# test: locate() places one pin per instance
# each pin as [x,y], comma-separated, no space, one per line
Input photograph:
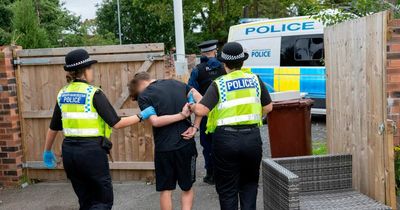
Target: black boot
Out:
[209,178]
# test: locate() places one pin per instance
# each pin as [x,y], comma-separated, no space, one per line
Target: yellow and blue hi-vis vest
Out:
[79,117]
[239,101]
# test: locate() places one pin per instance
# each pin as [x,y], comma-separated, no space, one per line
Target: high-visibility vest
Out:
[79,117]
[239,101]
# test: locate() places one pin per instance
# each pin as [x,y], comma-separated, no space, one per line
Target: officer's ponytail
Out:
[73,75]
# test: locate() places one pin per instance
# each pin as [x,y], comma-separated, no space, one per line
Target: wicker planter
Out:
[312,182]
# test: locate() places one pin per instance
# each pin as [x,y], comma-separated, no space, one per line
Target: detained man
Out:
[175,148]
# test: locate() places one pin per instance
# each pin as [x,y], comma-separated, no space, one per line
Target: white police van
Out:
[287,54]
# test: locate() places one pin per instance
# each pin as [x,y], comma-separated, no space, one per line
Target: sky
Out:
[85,8]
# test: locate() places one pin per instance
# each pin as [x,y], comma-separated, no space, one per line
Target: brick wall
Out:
[10,133]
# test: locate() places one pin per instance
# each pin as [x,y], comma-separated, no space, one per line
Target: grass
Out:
[319,148]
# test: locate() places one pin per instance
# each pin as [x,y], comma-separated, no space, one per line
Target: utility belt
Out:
[238,128]
[104,142]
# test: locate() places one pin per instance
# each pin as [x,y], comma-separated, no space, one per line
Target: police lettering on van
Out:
[261,53]
[280,28]
[286,53]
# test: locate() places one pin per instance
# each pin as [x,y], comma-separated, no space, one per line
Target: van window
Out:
[307,49]
[302,50]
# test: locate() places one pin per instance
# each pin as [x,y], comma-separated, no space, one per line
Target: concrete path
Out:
[128,195]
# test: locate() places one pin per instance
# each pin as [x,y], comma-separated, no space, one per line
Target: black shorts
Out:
[176,166]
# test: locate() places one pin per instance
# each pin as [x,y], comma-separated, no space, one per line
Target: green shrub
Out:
[397,168]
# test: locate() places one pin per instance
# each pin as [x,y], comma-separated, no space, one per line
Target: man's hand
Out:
[186,111]
[189,133]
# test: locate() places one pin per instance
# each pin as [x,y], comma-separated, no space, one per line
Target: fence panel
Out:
[40,76]
[356,101]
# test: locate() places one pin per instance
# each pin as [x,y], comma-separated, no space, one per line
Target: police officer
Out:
[237,102]
[85,116]
[201,78]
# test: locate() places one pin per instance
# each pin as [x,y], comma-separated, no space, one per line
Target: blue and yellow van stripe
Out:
[304,79]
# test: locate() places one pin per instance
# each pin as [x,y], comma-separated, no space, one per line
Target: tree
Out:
[87,35]
[153,21]
[26,24]
[6,15]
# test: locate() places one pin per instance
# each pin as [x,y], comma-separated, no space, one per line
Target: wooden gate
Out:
[40,76]
[356,103]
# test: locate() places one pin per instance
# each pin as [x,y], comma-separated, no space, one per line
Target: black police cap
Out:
[232,52]
[208,45]
[77,59]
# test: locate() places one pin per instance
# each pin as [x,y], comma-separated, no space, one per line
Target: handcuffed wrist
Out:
[184,116]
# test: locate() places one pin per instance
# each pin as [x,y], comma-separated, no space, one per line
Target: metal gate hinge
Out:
[381,129]
[16,61]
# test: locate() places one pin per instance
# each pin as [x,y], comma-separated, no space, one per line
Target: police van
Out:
[287,54]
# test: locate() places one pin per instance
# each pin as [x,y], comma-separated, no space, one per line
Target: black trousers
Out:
[86,165]
[237,156]
[206,143]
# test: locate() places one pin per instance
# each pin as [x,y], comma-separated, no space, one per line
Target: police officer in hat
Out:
[86,117]
[235,104]
[201,77]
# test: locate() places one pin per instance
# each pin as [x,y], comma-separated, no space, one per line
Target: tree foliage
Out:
[26,24]
[46,23]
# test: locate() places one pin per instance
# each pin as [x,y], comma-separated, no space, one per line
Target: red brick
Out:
[14,154]
[394,63]
[10,132]
[395,78]
[393,87]
[394,47]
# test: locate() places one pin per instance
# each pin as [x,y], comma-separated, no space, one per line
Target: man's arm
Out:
[267,109]
[50,137]
[266,101]
[200,110]
[127,121]
[207,102]
[160,121]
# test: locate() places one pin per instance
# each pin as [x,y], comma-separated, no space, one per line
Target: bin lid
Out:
[293,103]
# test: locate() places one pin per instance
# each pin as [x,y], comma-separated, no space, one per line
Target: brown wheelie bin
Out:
[289,126]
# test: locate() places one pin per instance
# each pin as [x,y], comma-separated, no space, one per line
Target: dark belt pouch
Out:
[106,144]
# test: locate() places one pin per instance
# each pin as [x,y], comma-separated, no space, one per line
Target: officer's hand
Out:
[49,159]
[189,133]
[186,110]
[191,98]
[148,112]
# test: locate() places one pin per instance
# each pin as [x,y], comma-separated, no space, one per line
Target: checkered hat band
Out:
[79,63]
[232,57]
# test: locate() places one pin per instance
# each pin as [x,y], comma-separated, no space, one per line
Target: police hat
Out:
[232,52]
[208,45]
[77,59]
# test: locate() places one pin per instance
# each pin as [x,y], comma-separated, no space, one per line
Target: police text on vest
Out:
[239,84]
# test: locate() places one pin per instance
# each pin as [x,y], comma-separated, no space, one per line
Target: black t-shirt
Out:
[211,97]
[100,103]
[168,97]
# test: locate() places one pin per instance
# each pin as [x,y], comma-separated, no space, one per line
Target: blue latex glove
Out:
[191,98]
[49,159]
[148,112]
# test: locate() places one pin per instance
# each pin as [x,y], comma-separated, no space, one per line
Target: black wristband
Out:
[140,117]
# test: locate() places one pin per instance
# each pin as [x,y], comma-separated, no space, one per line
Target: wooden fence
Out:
[40,76]
[356,103]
